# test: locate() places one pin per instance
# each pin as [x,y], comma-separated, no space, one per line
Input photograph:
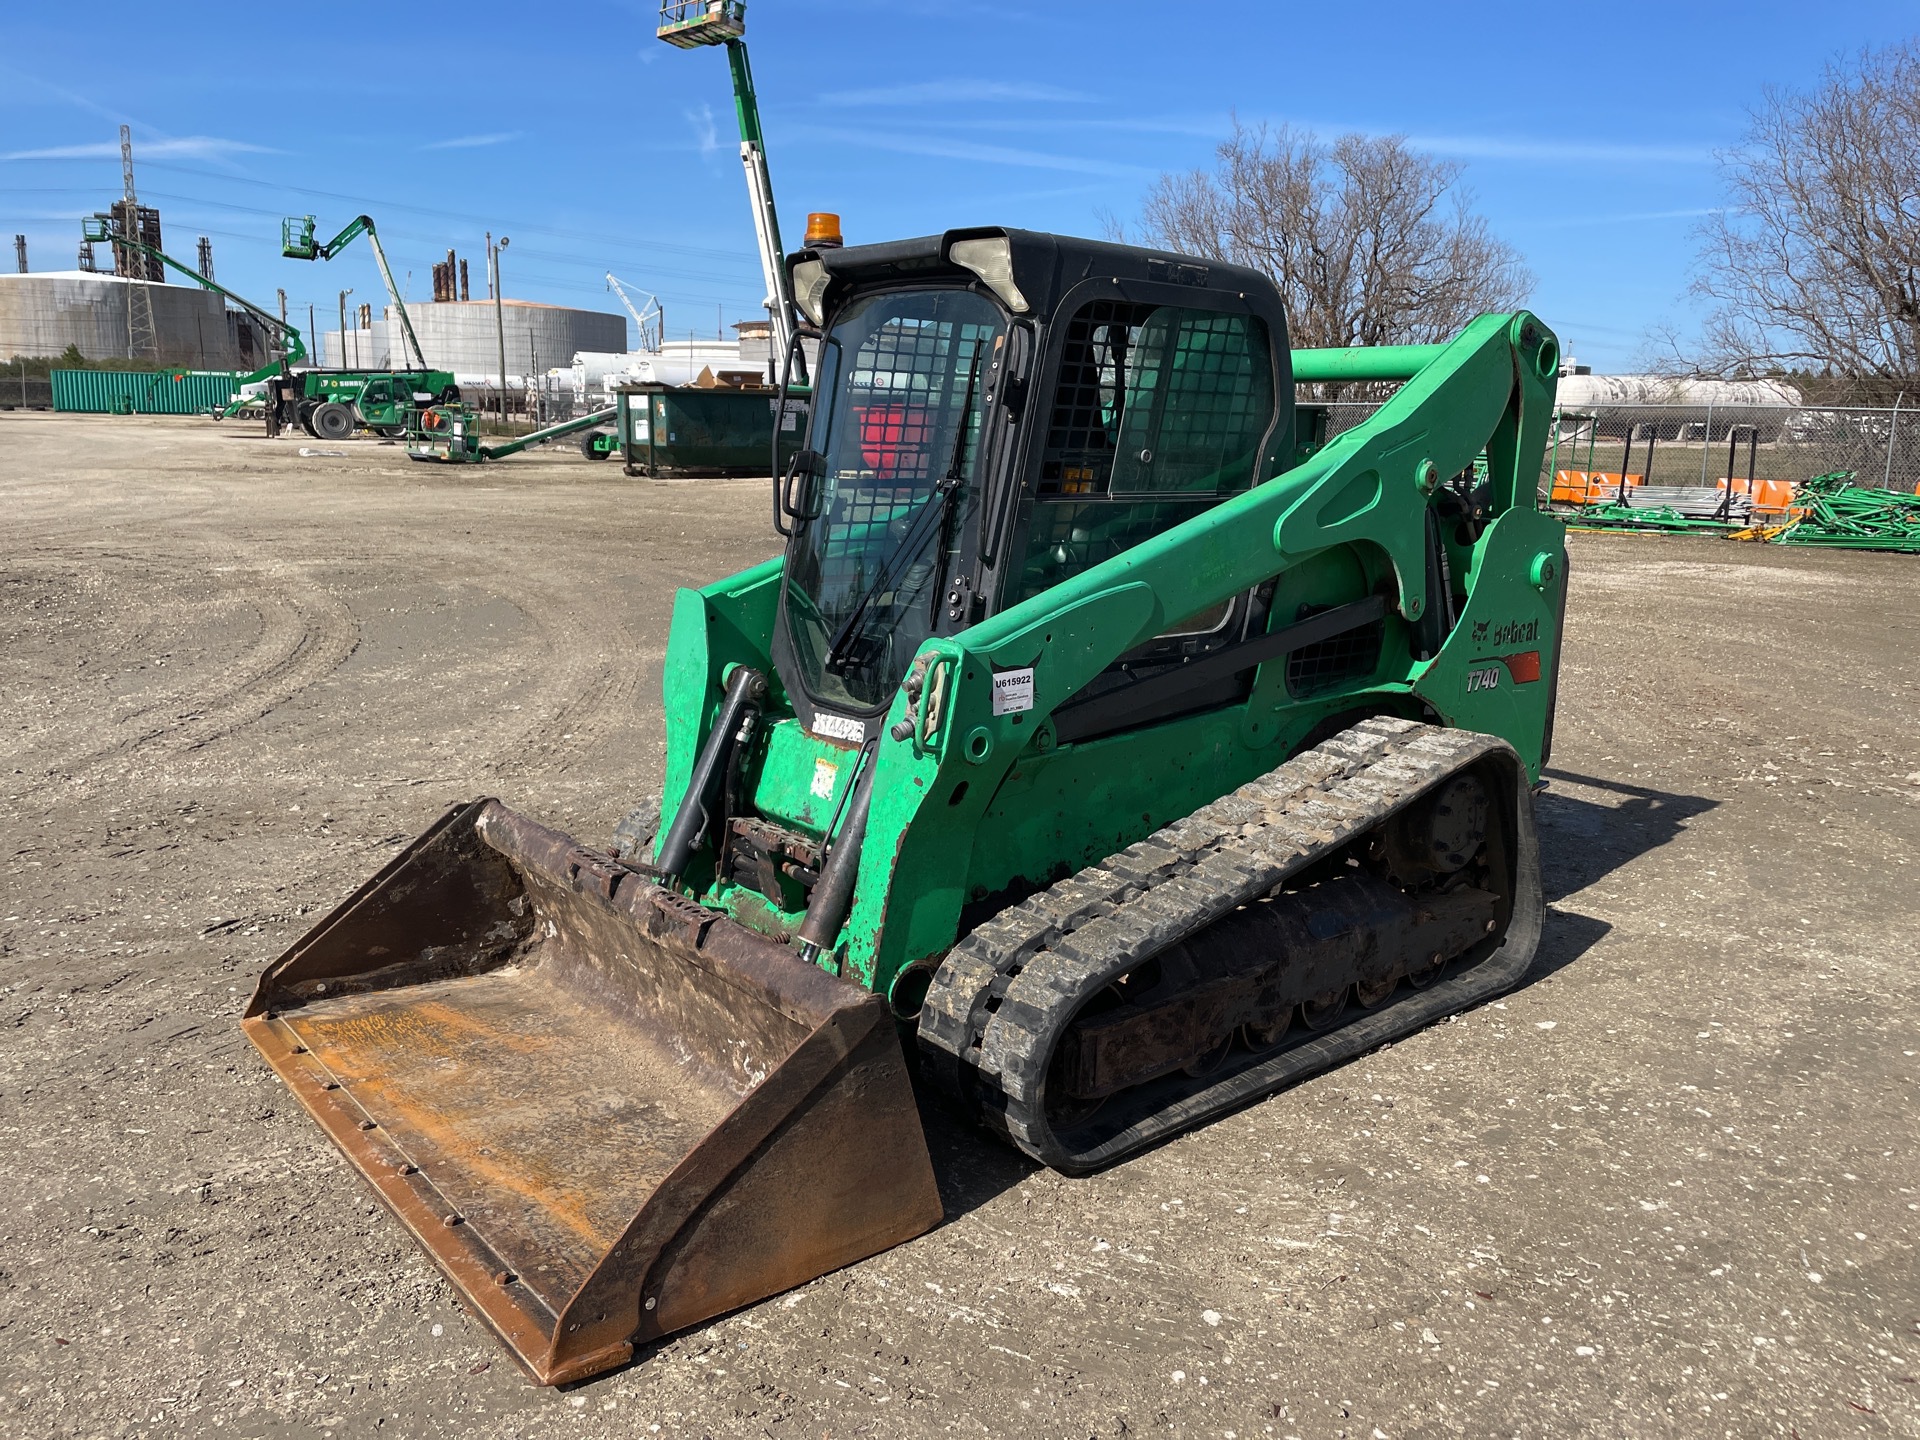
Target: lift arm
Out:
[766,221]
[100,227]
[297,243]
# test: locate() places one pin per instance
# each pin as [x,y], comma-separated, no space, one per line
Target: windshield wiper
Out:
[938,505]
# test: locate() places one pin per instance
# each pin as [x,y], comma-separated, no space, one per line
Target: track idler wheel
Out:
[1372,994]
[1428,971]
[1210,1062]
[1323,1012]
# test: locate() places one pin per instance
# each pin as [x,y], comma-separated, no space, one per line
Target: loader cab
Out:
[996,411]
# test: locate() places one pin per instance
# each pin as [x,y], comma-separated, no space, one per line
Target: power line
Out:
[363,203]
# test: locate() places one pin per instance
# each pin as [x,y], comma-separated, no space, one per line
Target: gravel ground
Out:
[1666,1186]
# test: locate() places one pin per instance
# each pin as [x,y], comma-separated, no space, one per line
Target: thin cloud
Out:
[944,92]
[1205,129]
[474,142]
[987,154]
[705,132]
[1521,148]
[1021,197]
[192,147]
[71,97]
[1495,147]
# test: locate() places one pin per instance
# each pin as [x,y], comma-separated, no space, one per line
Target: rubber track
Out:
[1005,992]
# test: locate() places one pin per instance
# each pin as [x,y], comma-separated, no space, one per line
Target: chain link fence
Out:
[1700,446]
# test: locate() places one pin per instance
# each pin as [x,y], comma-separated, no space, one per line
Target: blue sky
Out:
[1588,132]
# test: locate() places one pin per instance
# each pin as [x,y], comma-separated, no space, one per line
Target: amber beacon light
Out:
[823,229]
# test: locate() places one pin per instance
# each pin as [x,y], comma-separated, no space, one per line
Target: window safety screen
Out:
[1159,413]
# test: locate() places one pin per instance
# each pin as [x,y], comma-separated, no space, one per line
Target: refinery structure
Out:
[120,305]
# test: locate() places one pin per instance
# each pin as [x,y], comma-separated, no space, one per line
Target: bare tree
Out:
[1813,265]
[1370,241]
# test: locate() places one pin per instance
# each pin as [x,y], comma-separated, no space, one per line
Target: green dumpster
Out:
[694,430]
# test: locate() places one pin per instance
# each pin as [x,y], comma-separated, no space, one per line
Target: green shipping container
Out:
[686,430]
[142,392]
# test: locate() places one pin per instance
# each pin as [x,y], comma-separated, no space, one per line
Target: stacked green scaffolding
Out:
[1662,519]
[1854,517]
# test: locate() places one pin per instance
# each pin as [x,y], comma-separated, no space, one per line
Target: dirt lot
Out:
[1667,1186]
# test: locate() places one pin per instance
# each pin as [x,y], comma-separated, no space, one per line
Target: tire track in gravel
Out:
[597,672]
[307,633]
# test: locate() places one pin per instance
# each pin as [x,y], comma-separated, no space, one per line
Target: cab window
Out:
[1159,413]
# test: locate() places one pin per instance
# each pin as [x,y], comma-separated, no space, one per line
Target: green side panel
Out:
[803,778]
[1055,811]
[317,385]
[727,623]
[142,392]
[1495,672]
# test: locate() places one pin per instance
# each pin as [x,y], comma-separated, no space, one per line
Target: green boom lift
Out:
[1106,746]
[297,243]
[382,400]
[98,228]
[693,24]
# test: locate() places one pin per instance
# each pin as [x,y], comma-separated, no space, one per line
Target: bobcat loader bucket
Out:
[606,1112]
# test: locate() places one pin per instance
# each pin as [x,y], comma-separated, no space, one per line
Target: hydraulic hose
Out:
[832,894]
[694,822]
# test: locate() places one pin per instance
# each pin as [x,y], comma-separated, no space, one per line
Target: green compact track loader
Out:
[1111,746]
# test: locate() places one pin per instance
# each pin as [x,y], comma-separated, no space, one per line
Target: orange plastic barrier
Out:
[1589,487]
[1770,497]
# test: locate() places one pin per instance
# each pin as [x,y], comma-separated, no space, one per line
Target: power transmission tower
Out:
[141,339]
[20,252]
[206,258]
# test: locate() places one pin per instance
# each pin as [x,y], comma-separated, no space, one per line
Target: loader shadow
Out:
[971,1167]
[1582,841]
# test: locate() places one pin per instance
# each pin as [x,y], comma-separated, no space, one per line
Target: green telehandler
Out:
[1107,750]
[328,404]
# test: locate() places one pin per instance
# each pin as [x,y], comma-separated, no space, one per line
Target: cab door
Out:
[1156,411]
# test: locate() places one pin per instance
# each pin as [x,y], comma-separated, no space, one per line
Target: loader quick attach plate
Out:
[606,1112]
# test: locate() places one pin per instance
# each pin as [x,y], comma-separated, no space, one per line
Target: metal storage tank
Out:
[459,335]
[1612,405]
[1586,391]
[45,312]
